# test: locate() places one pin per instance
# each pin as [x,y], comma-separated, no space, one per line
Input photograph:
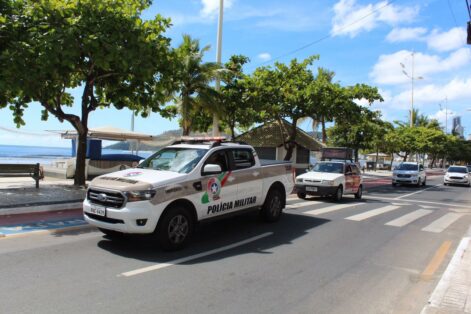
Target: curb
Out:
[39,209]
[48,231]
[452,293]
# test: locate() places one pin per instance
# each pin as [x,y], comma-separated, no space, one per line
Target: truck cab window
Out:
[243,158]
[218,158]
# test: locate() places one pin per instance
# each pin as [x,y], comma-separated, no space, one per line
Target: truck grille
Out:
[106,198]
[403,175]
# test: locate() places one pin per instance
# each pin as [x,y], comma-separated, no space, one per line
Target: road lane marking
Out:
[373,212]
[443,222]
[436,261]
[302,204]
[330,209]
[193,257]
[408,218]
[420,191]
[415,201]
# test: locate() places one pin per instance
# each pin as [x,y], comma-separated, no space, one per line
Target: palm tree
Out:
[195,76]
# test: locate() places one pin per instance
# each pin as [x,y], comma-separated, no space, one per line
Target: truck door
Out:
[356,178]
[248,176]
[349,179]
[219,190]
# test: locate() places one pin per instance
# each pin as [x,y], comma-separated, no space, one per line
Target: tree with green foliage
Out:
[240,111]
[359,132]
[102,47]
[194,77]
[282,93]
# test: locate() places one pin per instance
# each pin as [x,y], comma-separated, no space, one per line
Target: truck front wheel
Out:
[273,206]
[175,229]
[338,194]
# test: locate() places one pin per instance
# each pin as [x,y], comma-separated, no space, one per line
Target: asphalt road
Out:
[383,254]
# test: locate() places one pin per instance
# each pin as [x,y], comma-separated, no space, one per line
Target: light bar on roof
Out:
[203,138]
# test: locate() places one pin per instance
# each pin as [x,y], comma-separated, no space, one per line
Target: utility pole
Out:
[412,78]
[218,60]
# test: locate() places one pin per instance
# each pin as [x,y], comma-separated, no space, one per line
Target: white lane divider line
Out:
[408,218]
[420,191]
[302,204]
[330,209]
[293,198]
[443,222]
[372,213]
[193,257]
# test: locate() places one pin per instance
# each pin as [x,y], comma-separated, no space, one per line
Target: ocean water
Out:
[45,155]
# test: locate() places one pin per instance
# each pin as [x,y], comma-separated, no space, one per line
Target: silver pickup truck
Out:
[182,184]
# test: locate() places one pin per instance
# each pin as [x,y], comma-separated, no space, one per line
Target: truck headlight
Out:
[135,196]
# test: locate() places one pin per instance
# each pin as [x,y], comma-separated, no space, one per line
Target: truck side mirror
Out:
[212,169]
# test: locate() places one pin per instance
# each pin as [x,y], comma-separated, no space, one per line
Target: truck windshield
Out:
[333,167]
[409,167]
[176,159]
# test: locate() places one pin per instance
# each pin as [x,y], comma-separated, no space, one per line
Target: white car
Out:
[182,184]
[457,175]
[331,178]
[409,173]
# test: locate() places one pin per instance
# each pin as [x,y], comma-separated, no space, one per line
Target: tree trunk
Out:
[185,112]
[232,133]
[324,134]
[377,156]
[80,176]
[291,141]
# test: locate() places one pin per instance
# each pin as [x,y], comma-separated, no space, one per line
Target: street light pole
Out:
[412,78]
[218,60]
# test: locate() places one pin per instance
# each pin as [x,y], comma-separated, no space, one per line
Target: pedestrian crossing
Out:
[370,210]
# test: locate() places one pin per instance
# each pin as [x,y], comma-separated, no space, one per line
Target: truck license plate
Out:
[98,210]
[311,188]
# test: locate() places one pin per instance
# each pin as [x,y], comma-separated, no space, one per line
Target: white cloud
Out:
[211,7]
[429,97]
[264,56]
[447,41]
[406,34]
[351,18]
[388,70]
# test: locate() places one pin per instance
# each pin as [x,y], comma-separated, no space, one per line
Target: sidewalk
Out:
[57,204]
[453,292]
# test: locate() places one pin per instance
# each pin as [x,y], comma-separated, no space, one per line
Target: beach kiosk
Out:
[98,163]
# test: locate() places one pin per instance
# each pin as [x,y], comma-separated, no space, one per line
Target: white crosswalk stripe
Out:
[330,209]
[443,222]
[436,226]
[302,204]
[408,218]
[373,212]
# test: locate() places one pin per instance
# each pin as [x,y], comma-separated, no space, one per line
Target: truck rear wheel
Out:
[301,195]
[273,205]
[175,229]
[359,193]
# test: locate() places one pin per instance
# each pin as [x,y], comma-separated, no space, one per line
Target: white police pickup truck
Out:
[190,181]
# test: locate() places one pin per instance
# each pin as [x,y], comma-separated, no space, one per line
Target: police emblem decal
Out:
[214,188]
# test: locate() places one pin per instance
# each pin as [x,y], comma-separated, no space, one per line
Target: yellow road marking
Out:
[436,261]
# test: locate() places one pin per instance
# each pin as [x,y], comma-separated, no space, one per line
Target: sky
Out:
[361,41]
